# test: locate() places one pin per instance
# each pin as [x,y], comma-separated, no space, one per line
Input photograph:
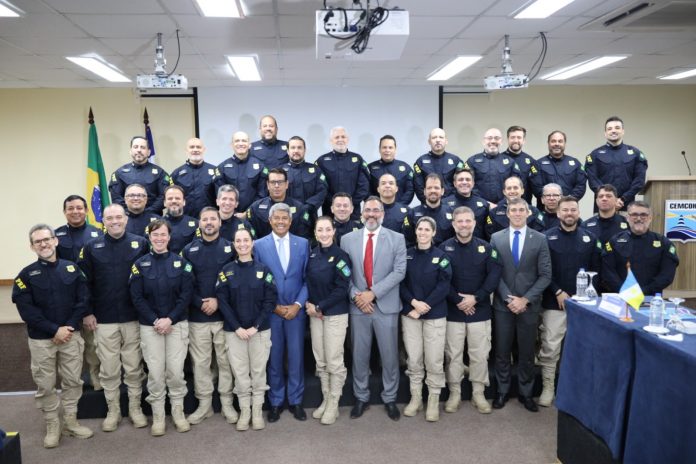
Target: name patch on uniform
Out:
[552,237]
[61,233]
[621,240]
[134,244]
[97,245]
[449,248]
[125,170]
[195,248]
[426,161]
[145,264]
[34,273]
[546,162]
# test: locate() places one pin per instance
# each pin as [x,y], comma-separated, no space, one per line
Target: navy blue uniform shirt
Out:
[328,277]
[247,295]
[428,279]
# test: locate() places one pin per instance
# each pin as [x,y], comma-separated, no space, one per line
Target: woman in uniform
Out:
[328,276]
[423,318]
[161,287]
[247,296]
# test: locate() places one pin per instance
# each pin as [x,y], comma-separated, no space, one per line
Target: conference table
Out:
[629,387]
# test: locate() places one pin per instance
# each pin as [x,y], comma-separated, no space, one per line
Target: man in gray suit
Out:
[379,265]
[526,261]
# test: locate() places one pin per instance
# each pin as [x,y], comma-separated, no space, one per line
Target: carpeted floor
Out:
[506,436]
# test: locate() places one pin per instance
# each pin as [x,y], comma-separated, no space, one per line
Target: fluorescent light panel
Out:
[453,68]
[679,75]
[245,67]
[582,68]
[542,9]
[221,8]
[8,10]
[99,67]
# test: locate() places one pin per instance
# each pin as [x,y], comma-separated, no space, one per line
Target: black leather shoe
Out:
[392,411]
[298,412]
[358,410]
[529,403]
[274,413]
[499,401]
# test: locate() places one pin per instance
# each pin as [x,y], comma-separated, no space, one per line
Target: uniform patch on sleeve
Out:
[489,220]
[415,167]
[222,277]
[188,267]
[342,266]
[599,245]
[608,247]
[589,159]
[134,270]
[20,284]
[269,278]
[322,177]
[444,263]
[532,169]
[673,250]
[494,253]
[82,253]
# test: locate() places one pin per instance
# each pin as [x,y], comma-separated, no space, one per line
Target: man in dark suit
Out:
[524,254]
[374,293]
[286,256]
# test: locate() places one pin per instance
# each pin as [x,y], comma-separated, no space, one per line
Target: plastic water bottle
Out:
[581,283]
[657,309]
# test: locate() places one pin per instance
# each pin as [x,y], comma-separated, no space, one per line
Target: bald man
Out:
[195,176]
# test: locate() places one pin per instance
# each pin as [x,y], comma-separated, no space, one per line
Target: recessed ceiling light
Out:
[100,67]
[8,10]
[453,68]
[541,9]
[245,67]
[679,75]
[221,8]
[582,68]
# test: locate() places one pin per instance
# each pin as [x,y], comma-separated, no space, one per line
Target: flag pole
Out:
[627,313]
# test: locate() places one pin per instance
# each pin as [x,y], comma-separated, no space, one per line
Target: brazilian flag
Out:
[97,187]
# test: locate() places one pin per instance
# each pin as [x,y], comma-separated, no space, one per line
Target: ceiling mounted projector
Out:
[506,79]
[361,34]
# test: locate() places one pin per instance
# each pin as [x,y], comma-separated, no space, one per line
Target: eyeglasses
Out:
[492,138]
[135,195]
[277,182]
[42,241]
[639,215]
[551,195]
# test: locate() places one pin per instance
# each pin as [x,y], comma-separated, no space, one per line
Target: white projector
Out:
[506,81]
[387,41]
[153,81]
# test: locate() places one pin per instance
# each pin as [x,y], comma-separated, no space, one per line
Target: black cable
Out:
[178,53]
[329,15]
[374,18]
[540,60]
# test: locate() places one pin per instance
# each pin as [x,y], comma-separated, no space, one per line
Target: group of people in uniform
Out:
[229,264]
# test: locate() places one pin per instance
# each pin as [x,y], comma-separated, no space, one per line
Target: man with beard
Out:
[345,171]
[434,208]
[106,263]
[623,166]
[652,256]
[196,178]
[271,151]
[140,171]
[183,227]
[491,168]
[138,216]
[244,171]
[526,164]
[388,164]
[559,168]
[208,254]
[571,248]
[375,304]
[437,161]
[306,182]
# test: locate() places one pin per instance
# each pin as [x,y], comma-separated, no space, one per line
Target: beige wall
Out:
[44,152]
[660,120]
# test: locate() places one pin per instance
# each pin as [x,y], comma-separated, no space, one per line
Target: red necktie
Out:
[367,263]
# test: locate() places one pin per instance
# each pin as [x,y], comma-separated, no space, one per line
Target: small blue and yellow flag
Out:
[631,292]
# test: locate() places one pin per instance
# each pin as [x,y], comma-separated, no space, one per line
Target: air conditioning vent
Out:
[641,16]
